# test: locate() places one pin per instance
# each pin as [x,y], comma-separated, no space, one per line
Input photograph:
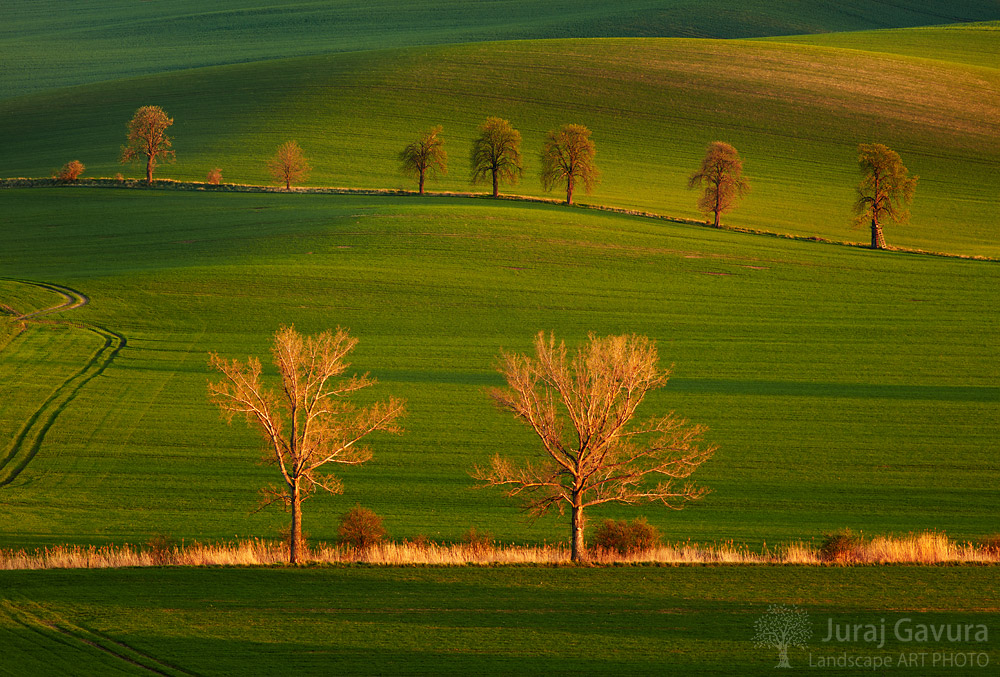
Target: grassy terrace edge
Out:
[171,184]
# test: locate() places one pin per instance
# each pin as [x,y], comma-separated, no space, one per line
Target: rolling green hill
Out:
[44,44]
[845,387]
[973,44]
[796,114]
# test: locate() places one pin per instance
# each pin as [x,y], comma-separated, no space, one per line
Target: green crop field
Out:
[845,387]
[795,113]
[971,44]
[45,46]
[634,620]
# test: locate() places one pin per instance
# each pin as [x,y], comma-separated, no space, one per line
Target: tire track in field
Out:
[55,630]
[29,438]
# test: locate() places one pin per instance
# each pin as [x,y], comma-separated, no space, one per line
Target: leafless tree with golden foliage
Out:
[309,422]
[721,172]
[568,155]
[147,138]
[886,187]
[581,408]
[425,156]
[289,165]
[496,154]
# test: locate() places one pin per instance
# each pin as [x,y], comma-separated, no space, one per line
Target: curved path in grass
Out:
[29,438]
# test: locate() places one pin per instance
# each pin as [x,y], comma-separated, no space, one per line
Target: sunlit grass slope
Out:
[796,114]
[973,44]
[43,44]
[845,387]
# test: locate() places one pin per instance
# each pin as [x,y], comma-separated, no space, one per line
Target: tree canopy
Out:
[496,153]
[425,157]
[289,164]
[721,173]
[568,155]
[885,189]
[147,138]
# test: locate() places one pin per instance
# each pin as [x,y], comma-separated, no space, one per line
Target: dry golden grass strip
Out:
[922,548]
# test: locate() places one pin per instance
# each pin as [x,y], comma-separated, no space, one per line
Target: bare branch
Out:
[611,458]
[324,427]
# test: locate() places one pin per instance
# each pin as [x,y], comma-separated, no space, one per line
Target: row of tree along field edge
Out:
[652,106]
[568,158]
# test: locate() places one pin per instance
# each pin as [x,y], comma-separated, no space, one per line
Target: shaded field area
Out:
[796,114]
[526,620]
[44,46]
[846,388]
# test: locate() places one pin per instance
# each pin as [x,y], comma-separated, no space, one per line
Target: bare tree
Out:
[721,172]
[886,187]
[322,425]
[425,156]
[496,153]
[568,155]
[581,408]
[147,138]
[289,165]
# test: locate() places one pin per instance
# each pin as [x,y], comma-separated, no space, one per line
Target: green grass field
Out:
[845,387]
[971,44]
[45,46]
[631,620]
[796,114]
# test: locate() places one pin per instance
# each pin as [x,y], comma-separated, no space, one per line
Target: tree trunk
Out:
[421,183]
[783,657]
[295,534]
[718,202]
[288,183]
[149,171]
[569,190]
[577,547]
[496,184]
[878,240]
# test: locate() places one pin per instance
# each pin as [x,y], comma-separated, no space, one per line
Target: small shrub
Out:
[840,546]
[991,545]
[70,171]
[161,548]
[119,177]
[421,542]
[361,528]
[479,542]
[626,539]
[214,177]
